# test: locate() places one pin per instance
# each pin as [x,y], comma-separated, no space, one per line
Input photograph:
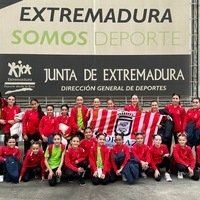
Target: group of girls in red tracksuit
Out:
[47,157]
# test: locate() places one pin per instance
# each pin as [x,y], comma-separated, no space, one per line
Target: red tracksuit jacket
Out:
[157,155]
[192,115]
[8,114]
[87,145]
[48,126]
[7,151]
[30,122]
[116,149]
[105,159]
[142,153]
[72,155]
[33,160]
[67,120]
[184,156]
[178,113]
[130,108]
[198,155]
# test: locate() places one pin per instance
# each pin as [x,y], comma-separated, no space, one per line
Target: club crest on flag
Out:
[124,123]
[128,123]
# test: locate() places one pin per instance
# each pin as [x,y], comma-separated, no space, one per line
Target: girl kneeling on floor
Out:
[99,161]
[75,161]
[119,156]
[141,152]
[33,165]
[160,158]
[54,158]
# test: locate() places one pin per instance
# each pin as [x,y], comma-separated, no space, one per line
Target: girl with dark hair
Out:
[30,124]
[54,158]
[8,116]
[75,161]
[191,123]
[66,124]
[99,161]
[10,154]
[141,152]
[119,150]
[47,126]
[178,114]
[33,164]
[165,128]
[78,115]
[88,141]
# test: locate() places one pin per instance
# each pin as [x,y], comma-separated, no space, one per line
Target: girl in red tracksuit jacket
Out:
[7,151]
[178,114]
[78,115]
[75,161]
[99,161]
[48,125]
[184,158]
[115,151]
[160,158]
[88,142]
[30,124]
[192,116]
[33,165]
[198,157]
[142,153]
[8,114]
[65,119]
[135,105]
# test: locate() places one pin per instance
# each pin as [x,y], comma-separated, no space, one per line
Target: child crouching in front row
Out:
[99,161]
[10,161]
[119,155]
[54,158]
[141,152]
[33,165]
[75,161]
[184,159]
[160,158]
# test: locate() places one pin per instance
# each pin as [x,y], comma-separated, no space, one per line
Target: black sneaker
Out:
[82,182]
[70,180]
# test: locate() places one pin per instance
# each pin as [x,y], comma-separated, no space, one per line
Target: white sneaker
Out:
[1,178]
[58,179]
[124,178]
[143,174]
[168,177]
[180,175]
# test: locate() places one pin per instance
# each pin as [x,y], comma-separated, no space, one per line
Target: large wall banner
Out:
[107,48]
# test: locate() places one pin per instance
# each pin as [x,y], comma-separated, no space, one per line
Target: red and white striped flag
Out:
[112,121]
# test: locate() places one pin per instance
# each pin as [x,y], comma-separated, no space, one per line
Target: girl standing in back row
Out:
[48,125]
[135,105]
[178,114]
[8,114]
[78,115]
[30,124]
